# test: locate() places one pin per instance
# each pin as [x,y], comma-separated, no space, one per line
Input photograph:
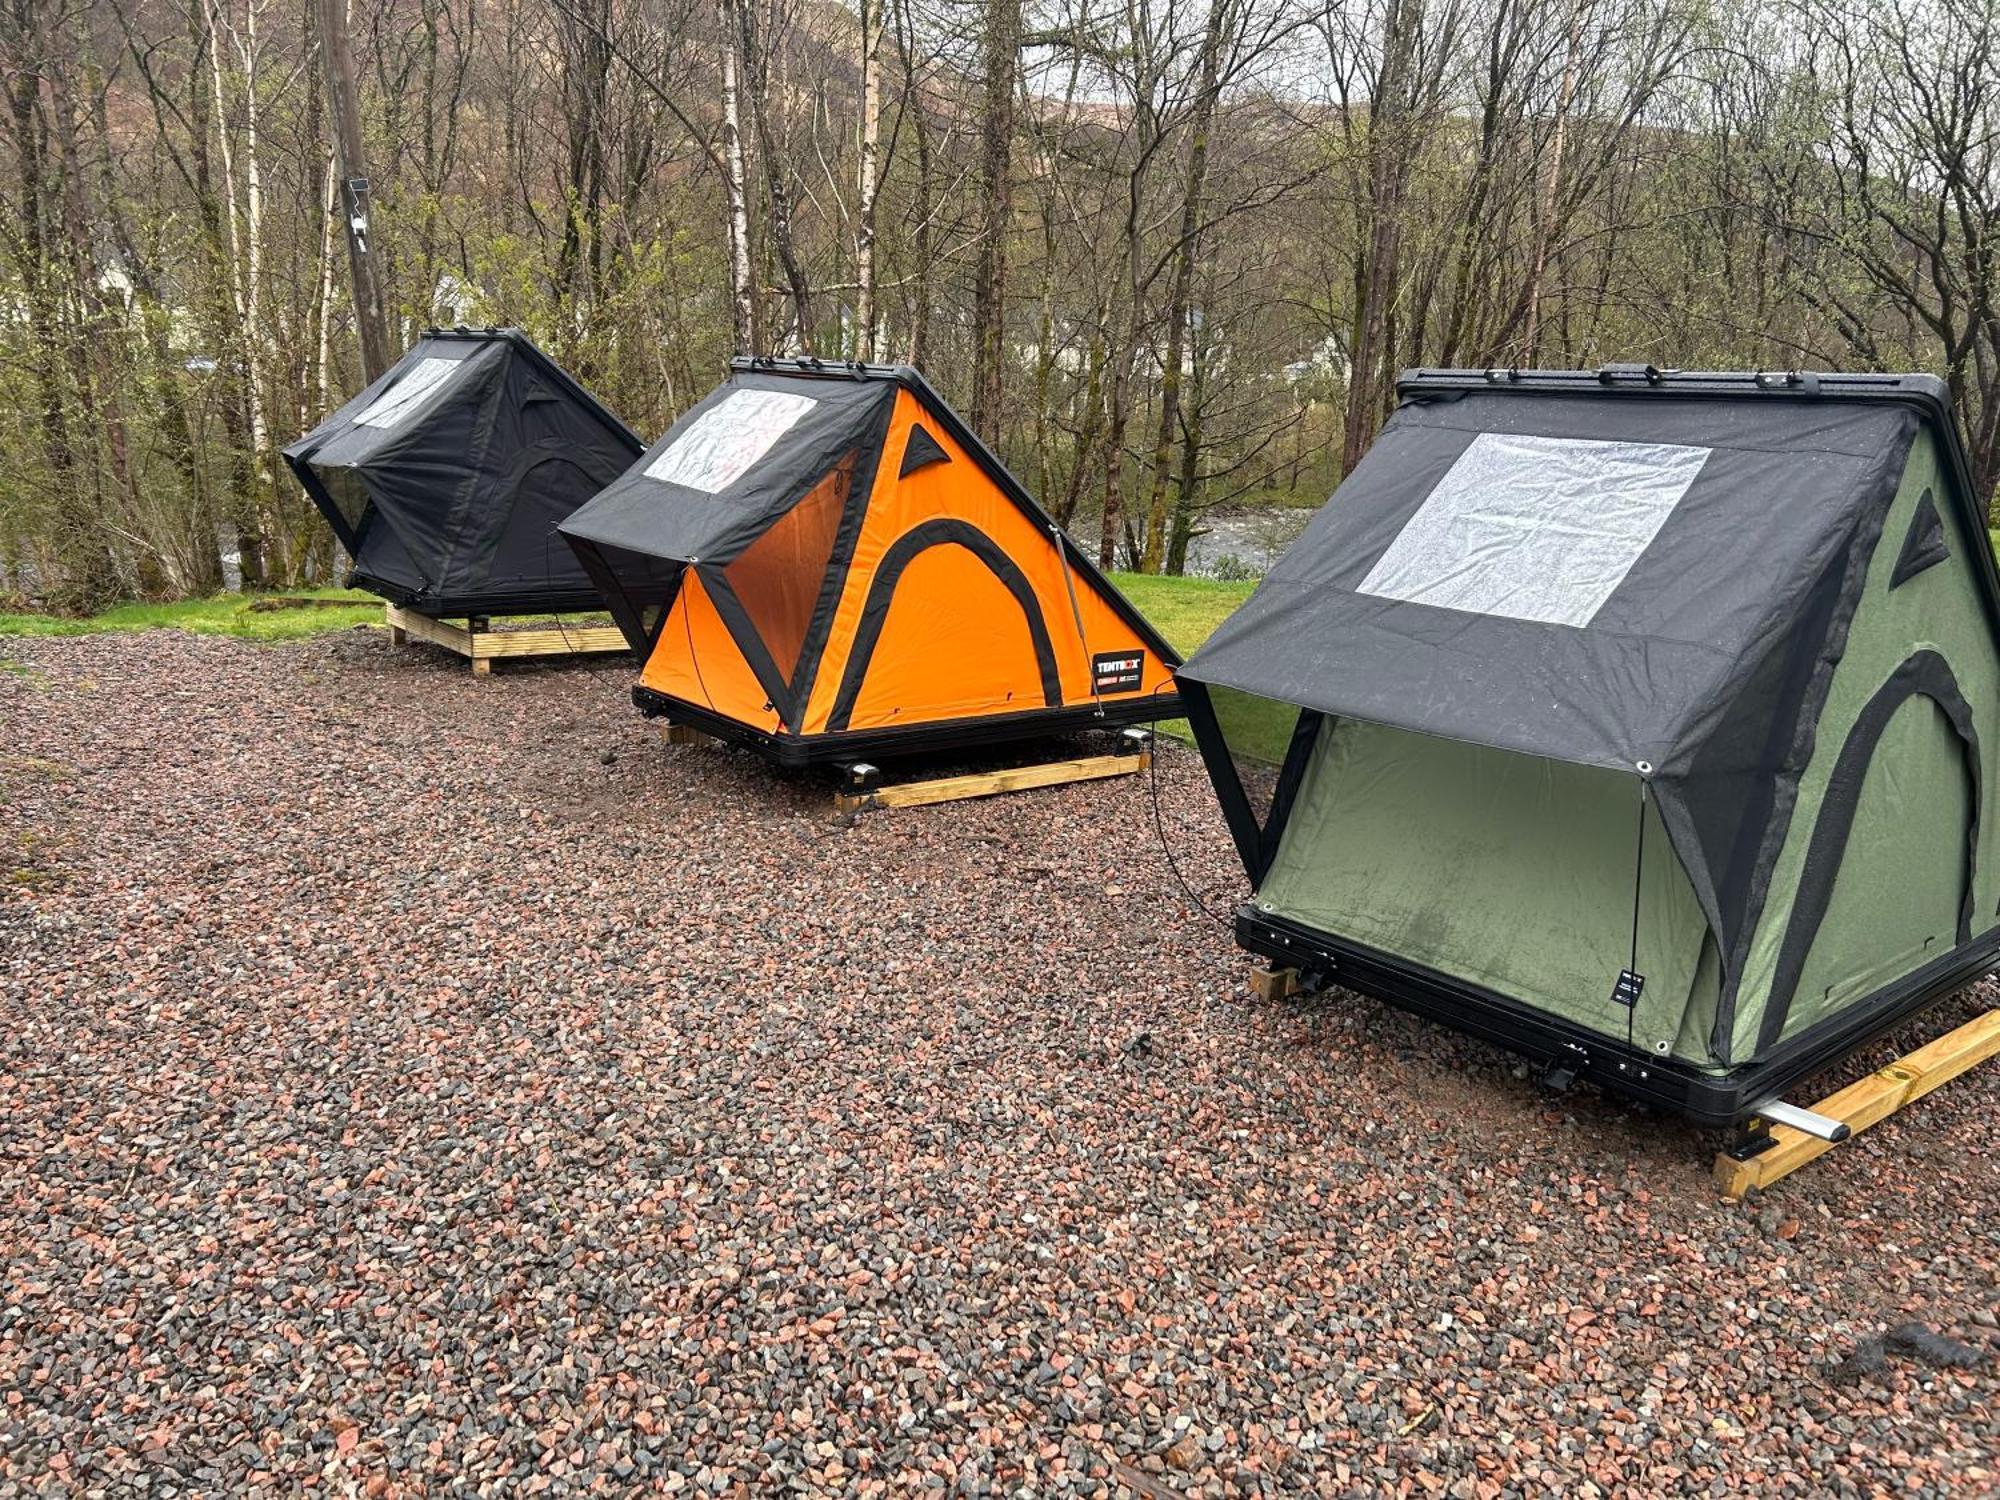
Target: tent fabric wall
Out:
[697,660]
[950,620]
[1895,899]
[1939,610]
[1798,658]
[445,480]
[1511,871]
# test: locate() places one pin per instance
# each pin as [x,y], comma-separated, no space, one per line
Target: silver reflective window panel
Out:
[724,441]
[409,393]
[1535,528]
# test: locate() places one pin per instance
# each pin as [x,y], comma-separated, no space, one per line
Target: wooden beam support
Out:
[1864,1103]
[574,640]
[1269,983]
[416,627]
[992,783]
[482,647]
[683,734]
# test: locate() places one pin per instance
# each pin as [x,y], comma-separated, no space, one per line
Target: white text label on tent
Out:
[409,393]
[728,438]
[1535,528]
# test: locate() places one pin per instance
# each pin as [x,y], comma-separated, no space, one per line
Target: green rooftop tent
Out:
[1643,722]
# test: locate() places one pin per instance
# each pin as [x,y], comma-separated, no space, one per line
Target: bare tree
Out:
[351,169]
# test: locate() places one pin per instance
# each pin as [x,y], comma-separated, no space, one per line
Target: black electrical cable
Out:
[1167,849]
[549,582]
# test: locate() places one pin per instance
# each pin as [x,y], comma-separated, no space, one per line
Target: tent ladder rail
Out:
[1781,1138]
[1818,1126]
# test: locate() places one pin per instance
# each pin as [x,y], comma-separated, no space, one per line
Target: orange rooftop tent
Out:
[822,561]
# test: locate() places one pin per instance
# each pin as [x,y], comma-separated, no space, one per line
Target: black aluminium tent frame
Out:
[1703,1097]
[542,602]
[796,751]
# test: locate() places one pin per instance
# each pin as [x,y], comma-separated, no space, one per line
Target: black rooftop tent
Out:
[1644,722]
[445,479]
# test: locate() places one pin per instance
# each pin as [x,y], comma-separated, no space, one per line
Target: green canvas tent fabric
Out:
[1644,723]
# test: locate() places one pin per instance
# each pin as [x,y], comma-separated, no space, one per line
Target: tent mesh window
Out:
[778,577]
[1258,733]
[348,495]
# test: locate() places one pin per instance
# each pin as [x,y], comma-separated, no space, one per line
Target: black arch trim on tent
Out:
[882,592]
[736,618]
[1925,674]
[1924,544]
[920,451]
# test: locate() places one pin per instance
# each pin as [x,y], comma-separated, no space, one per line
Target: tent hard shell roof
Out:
[821,560]
[1653,574]
[444,479]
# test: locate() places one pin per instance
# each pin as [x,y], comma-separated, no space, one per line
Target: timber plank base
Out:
[474,641]
[685,734]
[1861,1104]
[865,798]
[1268,982]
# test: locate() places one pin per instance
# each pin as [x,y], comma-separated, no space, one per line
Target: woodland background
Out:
[1167,255]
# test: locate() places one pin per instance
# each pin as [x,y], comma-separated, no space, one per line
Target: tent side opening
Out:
[1535,879]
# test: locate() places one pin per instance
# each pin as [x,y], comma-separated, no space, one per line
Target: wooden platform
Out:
[682,734]
[1270,983]
[483,646]
[1864,1103]
[993,783]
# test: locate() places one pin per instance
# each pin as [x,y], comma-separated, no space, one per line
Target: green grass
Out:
[224,614]
[1184,610]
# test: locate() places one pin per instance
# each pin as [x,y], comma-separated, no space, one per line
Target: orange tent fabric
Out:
[891,588]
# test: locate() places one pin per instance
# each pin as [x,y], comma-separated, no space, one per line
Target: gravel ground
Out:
[413,1083]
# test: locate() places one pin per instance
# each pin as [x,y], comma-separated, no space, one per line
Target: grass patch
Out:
[1187,611]
[249,617]
[224,614]
[36,765]
[31,867]
[34,677]
[1184,610]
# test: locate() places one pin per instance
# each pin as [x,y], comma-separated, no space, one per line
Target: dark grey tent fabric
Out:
[1685,647]
[735,461]
[446,478]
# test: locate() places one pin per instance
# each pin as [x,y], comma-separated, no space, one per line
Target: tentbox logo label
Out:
[1118,671]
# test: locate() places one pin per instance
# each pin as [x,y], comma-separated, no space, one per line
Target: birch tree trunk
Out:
[1545,202]
[871,132]
[742,291]
[1185,250]
[757,76]
[246,261]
